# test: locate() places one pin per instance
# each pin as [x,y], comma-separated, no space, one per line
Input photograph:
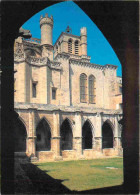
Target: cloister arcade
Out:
[43,134]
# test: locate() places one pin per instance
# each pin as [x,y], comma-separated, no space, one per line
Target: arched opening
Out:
[66,141]
[59,47]
[87,136]
[43,133]
[91,89]
[76,47]
[107,136]
[70,46]
[20,136]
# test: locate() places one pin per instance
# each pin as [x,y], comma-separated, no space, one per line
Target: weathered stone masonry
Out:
[68,107]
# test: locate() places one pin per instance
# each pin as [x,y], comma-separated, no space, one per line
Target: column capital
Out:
[79,112]
[56,110]
[77,137]
[99,114]
[31,137]
[97,137]
[56,137]
[32,109]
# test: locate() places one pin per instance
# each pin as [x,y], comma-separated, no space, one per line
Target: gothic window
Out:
[70,46]
[83,88]
[34,85]
[91,89]
[76,47]
[59,47]
[54,93]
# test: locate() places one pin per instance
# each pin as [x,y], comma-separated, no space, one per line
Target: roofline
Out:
[70,35]
[106,65]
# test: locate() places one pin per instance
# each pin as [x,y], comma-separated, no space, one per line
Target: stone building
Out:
[68,108]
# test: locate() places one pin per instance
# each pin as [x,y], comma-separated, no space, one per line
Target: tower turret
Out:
[83,33]
[46,25]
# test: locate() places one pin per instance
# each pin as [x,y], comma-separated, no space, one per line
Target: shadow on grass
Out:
[32,180]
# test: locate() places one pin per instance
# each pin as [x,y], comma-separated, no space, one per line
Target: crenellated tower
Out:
[46,26]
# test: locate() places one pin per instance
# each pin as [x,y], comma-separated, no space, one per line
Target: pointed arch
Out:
[66,141]
[44,118]
[43,134]
[111,124]
[83,87]
[20,134]
[87,135]
[69,121]
[107,134]
[92,88]
[76,47]
[22,120]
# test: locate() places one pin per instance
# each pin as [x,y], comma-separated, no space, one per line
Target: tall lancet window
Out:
[76,47]
[91,89]
[70,46]
[83,87]
[59,47]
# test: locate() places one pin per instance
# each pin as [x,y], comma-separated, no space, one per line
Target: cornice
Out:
[62,55]
[41,62]
[86,64]
[68,109]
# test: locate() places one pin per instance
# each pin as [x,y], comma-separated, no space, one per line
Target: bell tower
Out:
[46,26]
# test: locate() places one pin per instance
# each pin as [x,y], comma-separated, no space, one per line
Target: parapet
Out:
[110,66]
[46,20]
[83,31]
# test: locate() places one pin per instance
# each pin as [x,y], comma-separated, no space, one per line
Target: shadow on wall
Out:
[29,179]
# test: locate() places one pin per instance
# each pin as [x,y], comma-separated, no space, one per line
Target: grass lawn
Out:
[86,174]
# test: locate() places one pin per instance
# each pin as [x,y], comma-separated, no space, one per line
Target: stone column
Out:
[55,143]
[116,134]
[32,135]
[77,138]
[98,133]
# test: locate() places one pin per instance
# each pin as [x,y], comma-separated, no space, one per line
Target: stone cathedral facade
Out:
[68,108]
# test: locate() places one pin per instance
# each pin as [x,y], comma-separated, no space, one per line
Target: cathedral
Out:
[68,108]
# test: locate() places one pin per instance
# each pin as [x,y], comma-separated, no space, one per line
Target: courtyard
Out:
[68,177]
[86,174]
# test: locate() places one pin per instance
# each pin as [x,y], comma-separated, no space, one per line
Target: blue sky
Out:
[68,13]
